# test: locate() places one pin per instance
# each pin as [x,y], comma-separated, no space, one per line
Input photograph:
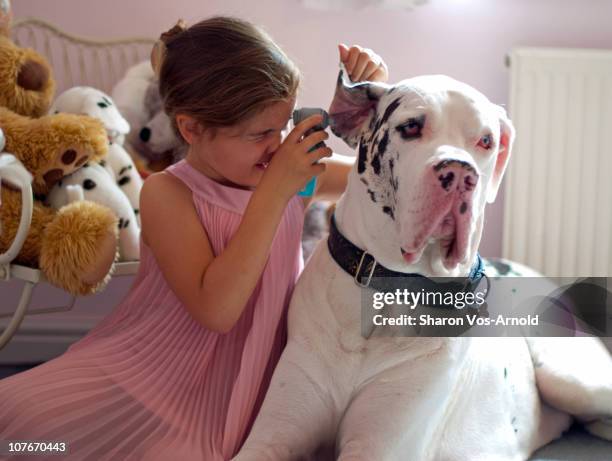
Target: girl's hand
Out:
[363,64]
[292,166]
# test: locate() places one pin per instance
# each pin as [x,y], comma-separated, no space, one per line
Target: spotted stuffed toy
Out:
[97,104]
[94,183]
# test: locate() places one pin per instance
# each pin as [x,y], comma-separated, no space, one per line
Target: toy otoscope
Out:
[298,116]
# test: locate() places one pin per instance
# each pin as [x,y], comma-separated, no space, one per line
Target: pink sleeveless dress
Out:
[149,382]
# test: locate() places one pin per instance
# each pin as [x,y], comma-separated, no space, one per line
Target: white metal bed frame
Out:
[97,63]
[79,60]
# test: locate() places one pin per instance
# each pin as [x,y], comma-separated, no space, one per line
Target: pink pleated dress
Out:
[149,382]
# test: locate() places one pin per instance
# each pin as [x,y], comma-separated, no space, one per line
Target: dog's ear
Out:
[353,106]
[506,140]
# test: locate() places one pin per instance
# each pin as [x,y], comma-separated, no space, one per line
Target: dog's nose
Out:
[456,173]
[145,134]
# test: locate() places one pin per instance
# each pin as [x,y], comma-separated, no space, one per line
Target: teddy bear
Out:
[14,174]
[75,246]
[152,137]
[119,164]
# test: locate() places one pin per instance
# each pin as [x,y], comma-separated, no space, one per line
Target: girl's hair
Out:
[221,71]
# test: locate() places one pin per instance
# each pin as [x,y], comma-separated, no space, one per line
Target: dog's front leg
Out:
[299,413]
[575,375]
[399,414]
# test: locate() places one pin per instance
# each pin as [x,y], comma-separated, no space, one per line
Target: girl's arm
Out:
[213,289]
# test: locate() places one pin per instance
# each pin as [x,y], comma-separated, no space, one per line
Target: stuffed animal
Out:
[157,140]
[12,172]
[95,103]
[75,246]
[90,101]
[129,96]
[94,183]
[121,167]
[152,137]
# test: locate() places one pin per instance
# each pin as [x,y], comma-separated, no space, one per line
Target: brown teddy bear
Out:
[75,246]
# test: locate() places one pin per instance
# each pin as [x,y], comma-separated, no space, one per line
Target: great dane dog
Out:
[431,153]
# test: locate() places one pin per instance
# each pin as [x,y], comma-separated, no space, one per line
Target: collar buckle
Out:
[357,278]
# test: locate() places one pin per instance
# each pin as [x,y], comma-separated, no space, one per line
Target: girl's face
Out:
[238,155]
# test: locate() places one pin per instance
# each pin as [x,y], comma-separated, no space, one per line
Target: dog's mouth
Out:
[446,237]
[449,237]
[449,249]
[411,256]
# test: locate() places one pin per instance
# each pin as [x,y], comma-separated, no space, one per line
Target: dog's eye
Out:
[412,128]
[486,142]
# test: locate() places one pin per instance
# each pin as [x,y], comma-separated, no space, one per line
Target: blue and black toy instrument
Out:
[298,116]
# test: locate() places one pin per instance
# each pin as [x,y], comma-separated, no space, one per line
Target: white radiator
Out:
[558,199]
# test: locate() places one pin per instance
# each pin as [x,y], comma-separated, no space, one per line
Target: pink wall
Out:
[466,39]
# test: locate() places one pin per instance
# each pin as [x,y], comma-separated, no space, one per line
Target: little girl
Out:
[180,367]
